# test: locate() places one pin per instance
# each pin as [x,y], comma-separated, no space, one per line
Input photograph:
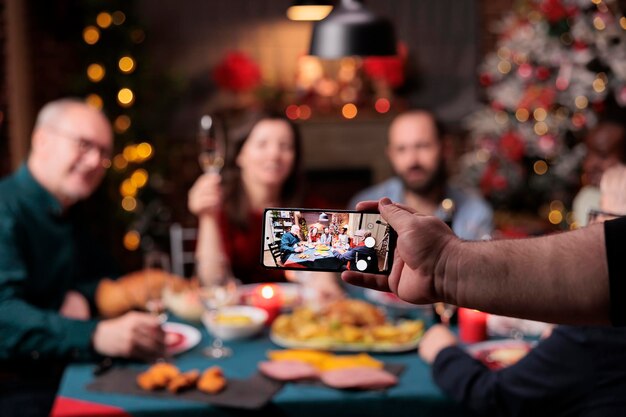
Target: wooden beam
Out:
[20,114]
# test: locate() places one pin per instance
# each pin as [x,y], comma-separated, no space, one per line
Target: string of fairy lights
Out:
[127,162]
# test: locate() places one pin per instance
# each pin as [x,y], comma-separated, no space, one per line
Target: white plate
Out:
[483,350]
[344,347]
[180,337]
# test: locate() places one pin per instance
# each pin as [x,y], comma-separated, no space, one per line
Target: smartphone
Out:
[327,240]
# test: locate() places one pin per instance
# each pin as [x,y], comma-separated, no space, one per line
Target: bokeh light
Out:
[95,72]
[144,150]
[126,64]
[540,167]
[95,101]
[129,203]
[139,178]
[382,105]
[104,20]
[132,239]
[125,97]
[91,35]
[555,217]
[118,17]
[522,115]
[121,123]
[349,111]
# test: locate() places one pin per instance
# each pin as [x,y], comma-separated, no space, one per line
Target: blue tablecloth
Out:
[415,395]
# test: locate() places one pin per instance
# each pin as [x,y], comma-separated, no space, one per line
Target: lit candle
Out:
[472,325]
[268,297]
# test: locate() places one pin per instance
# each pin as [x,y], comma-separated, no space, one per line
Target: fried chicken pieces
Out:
[166,375]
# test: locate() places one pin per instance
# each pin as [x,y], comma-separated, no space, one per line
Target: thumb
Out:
[398,217]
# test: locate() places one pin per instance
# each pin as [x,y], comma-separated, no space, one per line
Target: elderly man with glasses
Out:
[50,267]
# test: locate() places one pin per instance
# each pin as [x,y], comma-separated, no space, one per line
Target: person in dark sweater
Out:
[577,371]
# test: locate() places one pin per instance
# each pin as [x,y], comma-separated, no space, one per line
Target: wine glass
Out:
[154,300]
[212,146]
[445,312]
[216,293]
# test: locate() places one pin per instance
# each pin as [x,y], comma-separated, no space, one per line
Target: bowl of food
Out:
[235,322]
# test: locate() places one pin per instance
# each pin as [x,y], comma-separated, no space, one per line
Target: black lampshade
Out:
[352,29]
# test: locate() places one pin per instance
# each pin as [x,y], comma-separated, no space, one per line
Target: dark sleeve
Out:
[615,240]
[550,378]
[95,263]
[27,331]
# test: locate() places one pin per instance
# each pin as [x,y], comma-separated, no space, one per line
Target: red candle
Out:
[472,325]
[269,297]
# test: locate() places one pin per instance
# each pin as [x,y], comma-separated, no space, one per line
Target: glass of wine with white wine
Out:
[212,145]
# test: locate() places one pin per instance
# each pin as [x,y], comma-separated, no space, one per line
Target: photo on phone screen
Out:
[327,240]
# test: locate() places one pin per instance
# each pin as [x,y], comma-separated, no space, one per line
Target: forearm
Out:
[31,333]
[210,255]
[561,278]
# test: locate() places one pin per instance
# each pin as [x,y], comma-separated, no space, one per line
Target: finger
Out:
[397,216]
[373,281]
[369,205]
[148,344]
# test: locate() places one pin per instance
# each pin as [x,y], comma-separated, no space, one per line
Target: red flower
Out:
[555,11]
[511,146]
[389,69]
[542,73]
[485,79]
[237,72]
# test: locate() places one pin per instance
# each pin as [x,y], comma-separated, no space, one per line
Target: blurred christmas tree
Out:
[557,66]
[117,78]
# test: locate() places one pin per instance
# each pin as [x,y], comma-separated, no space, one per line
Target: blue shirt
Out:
[472,219]
[287,242]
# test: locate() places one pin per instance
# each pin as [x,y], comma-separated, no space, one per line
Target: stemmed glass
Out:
[215,293]
[445,312]
[212,146]
[154,300]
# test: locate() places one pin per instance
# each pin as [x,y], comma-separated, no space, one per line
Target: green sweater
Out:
[44,252]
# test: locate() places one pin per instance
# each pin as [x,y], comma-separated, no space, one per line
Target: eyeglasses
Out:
[595,216]
[86,146]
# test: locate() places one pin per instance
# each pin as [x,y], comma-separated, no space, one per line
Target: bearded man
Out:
[415,150]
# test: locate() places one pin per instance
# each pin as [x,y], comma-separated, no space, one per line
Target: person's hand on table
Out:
[206,196]
[134,335]
[421,241]
[299,249]
[437,338]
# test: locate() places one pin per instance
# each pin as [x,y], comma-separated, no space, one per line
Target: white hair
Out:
[54,110]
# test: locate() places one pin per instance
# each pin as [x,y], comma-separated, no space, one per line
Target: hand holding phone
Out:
[358,241]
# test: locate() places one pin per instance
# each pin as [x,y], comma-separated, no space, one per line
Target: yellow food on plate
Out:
[322,247]
[324,361]
[345,325]
[233,319]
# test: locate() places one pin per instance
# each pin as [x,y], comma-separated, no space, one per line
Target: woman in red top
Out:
[263,170]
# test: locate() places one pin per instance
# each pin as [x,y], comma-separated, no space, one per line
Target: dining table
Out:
[312,258]
[415,394]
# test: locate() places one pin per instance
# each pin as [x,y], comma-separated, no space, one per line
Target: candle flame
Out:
[267,292]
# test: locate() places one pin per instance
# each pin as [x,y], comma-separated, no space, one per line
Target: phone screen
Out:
[327,240]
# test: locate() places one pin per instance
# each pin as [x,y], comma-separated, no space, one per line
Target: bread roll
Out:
[132,291]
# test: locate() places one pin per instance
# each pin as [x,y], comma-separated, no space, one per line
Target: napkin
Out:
[251,393]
